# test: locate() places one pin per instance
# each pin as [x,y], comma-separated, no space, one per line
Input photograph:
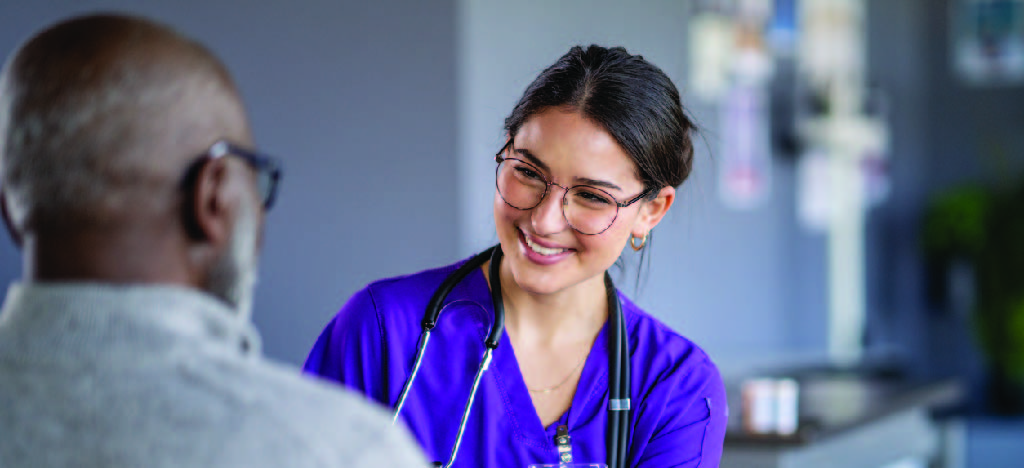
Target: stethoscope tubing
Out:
[617,442]
[622,407]
[618,414]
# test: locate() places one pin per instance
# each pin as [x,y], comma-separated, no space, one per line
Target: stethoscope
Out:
[617,434]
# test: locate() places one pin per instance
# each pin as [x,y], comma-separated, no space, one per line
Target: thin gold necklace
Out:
[572,372]
[563,382]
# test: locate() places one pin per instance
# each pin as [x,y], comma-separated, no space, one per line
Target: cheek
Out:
[504,221]
[608,244]
[501,214]
[504,215]
[612,242]
[499,204]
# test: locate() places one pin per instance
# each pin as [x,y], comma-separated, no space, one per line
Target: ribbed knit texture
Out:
[141,376]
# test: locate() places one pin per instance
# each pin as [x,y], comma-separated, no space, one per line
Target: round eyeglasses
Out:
[588,210]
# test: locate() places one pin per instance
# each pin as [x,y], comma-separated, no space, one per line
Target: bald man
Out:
[128,180]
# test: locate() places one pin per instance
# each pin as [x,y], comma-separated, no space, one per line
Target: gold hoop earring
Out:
[632,242]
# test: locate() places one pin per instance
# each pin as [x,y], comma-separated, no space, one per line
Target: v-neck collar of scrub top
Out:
[590,390]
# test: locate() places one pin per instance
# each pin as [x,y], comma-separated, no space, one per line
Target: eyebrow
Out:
[578,180]
[597,183]
[533,159]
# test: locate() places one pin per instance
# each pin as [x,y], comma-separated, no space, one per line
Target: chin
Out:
[538,284]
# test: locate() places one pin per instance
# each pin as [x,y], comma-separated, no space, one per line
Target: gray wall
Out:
[898,41]
[358,98]
[946,133]
[742,284]
[387,115]
[751,286]
[974,135]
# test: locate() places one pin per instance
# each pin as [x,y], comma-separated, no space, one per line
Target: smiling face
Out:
[543,252]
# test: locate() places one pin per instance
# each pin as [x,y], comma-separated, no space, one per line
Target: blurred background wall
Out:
[358,99]
[709,266]
[387,115]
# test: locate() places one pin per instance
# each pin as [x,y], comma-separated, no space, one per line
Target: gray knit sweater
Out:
[107,376]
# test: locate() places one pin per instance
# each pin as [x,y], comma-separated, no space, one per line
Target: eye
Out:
[592,198]
[525,172]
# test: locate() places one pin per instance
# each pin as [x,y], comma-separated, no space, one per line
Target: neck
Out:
[126,255]
[575,314]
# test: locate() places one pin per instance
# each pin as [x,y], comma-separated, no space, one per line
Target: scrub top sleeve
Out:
[350,351]
[693,430]
[714,435]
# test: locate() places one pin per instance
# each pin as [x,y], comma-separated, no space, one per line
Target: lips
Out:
[538,248]
[541,252]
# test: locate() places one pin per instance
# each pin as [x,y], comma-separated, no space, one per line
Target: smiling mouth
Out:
[541,250]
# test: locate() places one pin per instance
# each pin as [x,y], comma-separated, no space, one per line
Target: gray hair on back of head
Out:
[90,109]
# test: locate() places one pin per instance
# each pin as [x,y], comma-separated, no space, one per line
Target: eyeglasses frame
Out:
[498,158]
[260,162]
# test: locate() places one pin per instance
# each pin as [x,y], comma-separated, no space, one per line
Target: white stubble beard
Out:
[234,276]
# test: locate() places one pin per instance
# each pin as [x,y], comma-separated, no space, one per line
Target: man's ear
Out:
[652,211]
[209,215]
[12,230]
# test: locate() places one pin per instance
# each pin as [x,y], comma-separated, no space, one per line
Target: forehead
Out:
[575,147]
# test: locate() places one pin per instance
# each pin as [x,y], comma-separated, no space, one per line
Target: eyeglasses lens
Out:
[588,210]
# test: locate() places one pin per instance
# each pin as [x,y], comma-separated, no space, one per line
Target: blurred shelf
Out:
[852,418]
[832,402]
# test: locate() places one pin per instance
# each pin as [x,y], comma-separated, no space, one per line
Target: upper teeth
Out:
[541,249]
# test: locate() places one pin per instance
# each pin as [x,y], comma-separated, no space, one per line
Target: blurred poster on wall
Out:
[744,165]
[988,41]
[711,51]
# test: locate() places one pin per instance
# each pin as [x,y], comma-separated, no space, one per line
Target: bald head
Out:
[99,117]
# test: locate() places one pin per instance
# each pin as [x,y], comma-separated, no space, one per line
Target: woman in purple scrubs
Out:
[597,146]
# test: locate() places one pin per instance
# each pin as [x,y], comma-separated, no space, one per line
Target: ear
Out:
[210,210]
[12,230]
[652,211]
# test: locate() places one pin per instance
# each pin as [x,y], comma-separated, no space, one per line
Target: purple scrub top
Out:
[679,407]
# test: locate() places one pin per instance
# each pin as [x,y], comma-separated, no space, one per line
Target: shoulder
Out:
[403,299]
[384,313]
[286,412]
[671,358]
[682,405]
[652,336]
[410,288]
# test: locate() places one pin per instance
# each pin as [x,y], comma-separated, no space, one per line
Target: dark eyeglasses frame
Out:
[262,163]
[498,158]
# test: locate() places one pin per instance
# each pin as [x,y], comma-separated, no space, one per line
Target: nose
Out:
[547,217]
